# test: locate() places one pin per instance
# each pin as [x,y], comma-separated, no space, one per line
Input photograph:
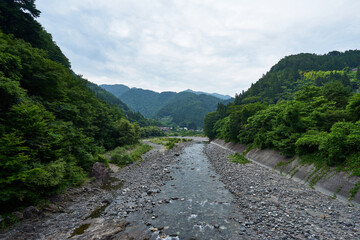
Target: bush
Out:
[121,160]
[239,158]
[309,142]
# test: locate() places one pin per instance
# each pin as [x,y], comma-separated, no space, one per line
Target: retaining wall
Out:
[329,182]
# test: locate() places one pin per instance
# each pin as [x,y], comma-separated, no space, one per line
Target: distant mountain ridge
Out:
[224,97]
[186,108]
[115,89]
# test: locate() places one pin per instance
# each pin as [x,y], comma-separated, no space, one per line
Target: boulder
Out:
[31,212]
[100,172]
[18,215]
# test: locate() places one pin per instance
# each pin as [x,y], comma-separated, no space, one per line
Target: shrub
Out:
[239,158]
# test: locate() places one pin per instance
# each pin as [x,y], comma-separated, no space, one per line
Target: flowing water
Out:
[194,204]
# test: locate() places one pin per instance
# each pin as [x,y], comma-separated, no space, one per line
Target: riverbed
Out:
[193,192]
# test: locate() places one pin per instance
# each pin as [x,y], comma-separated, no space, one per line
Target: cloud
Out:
[208,45]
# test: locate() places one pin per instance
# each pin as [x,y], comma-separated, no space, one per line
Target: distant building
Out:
[165,129]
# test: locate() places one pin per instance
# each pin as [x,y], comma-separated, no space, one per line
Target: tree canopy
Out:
[306,104]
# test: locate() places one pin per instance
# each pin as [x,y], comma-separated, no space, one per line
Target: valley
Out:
[193,192]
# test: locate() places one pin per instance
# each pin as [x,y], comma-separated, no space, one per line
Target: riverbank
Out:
[327,180]
[178,193]
[277,207]
[97,212]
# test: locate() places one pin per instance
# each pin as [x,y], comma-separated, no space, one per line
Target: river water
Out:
[194,204]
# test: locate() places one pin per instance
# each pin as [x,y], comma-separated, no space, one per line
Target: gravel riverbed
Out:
[268,205]
[100,212]
[276,207]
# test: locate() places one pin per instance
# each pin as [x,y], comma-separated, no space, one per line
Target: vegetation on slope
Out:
[184,109]
[299,107]
[146,102]
[52,128]
[134,117]
[125,155]
[188,109]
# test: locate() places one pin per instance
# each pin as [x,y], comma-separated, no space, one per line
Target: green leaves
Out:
[52,128]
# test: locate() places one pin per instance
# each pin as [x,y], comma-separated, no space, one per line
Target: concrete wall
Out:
[331,182]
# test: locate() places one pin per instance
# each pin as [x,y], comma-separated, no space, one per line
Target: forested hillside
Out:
[188,110]
[306,104]
[116,89]
[287,76]
[184,109]
[146,102]
[134,117]
[52,127]
[217,95]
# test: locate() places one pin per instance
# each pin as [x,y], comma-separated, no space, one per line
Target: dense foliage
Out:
[184,109]
[188,109]
[135,117]
[17,18]
[128,154]
[52,128]
[299,107]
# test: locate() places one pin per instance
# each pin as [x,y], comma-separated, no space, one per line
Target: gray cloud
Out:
[214,46]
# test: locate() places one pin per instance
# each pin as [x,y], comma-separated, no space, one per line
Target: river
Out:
[194,204]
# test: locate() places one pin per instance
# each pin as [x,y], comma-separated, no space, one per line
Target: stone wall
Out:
[327,181]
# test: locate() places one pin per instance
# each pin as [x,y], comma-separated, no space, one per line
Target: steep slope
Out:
[189,104]
[17,18]
[101,93]
[52,127]
[115,89]
[188,109]
[146,102]
[223,97]
[132,116]
[286,77]
[306,105]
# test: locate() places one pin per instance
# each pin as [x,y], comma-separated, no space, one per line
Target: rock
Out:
[53,208]
[27,228]
[18,215]
[100,172]
[107,201]
[348,223]
[31,212]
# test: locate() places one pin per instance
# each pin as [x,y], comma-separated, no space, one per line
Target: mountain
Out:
[286,77]
[115,89]
[224,97]
[103,94]
[146,102]
[306,105]
[185,108]
[52,127]
[188,109]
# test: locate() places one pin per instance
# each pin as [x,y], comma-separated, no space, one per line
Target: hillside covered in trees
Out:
[184,109]
[306,104]
[52,127]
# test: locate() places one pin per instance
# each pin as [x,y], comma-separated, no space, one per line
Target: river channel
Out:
[194,204]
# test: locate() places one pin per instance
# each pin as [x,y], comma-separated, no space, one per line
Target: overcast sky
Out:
[209,45]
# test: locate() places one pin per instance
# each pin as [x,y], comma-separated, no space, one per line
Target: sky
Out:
[217,46]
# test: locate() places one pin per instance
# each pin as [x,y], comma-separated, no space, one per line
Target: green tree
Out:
[209,122]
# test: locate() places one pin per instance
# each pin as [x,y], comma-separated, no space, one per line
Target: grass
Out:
[354,190]
[127,154]
[169,143]
[239,158]
[9,220]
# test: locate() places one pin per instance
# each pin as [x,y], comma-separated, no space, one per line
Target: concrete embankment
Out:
[327,181]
